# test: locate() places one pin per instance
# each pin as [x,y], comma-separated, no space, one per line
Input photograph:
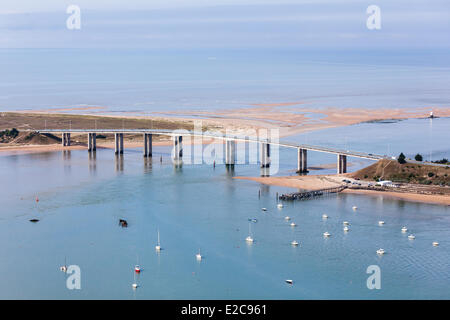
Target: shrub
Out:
[401,158]
[418,157]
[430,174]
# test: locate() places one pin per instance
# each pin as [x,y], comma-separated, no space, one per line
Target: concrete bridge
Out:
[230,145]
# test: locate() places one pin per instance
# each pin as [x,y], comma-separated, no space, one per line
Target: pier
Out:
[230,145]
[305,195]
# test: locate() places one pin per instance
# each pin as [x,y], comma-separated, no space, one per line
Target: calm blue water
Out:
[82,198]
[143,80]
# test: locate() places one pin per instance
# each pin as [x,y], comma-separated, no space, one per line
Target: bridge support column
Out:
[230,152]
[341,164]
[121,143]
[177,147]
[116,143]
[89,138]
[92,142]
[265,155]
[147,145]
[302,160]
[65,139]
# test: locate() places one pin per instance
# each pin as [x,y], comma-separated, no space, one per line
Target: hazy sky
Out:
[225,24]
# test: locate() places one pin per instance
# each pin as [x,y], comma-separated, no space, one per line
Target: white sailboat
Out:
[199,255]
[64,267]
[134,285]
[249,239]
[158,246]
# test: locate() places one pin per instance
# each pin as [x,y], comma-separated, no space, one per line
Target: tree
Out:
[401,158]
[418,157]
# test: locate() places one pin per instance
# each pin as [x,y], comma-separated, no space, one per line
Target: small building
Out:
[384,183]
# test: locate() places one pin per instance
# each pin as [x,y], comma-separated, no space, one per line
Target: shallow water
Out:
[81,199]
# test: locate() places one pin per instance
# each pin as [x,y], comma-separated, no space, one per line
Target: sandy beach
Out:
[317,182]
[24,149]
[289,117]
[293,118]
[424,198]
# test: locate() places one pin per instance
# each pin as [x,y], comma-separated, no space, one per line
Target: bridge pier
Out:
[118,143]
[265,155]
[177,147]
[341,164]
[302,159]
[230,152]
[92,142]
[65,139]
[147,145]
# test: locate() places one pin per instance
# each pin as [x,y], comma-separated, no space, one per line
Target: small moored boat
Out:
[381,251]
[294,243]
[411,237]
[326,234]
[158,245]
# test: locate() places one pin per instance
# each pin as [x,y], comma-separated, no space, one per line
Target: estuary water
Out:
[198,207]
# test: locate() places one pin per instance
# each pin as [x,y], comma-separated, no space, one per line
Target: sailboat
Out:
[137,267]
[199,255]
[158,246]
[64,267]
[134,285]
[249,238]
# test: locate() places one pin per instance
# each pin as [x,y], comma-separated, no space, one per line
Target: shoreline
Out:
[289,118]
[316,182]
[413,197]
[27,149]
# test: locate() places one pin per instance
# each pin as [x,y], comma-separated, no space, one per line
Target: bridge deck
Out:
[210,135]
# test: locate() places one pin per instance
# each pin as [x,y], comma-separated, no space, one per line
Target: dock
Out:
[305,195]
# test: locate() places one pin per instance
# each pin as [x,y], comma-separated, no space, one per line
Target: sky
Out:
[318,24]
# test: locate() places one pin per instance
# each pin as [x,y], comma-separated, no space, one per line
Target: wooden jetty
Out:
[304,195]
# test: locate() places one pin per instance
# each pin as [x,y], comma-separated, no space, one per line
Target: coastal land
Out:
[410,181]
[289,117]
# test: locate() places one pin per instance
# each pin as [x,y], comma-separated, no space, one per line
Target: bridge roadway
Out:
[230,148]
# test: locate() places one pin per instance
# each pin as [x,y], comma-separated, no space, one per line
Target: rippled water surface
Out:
[81,199]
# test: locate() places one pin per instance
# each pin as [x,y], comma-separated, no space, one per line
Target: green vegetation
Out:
[442,161]
[401,158]
[418,157]
[410,173]
[8,135]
